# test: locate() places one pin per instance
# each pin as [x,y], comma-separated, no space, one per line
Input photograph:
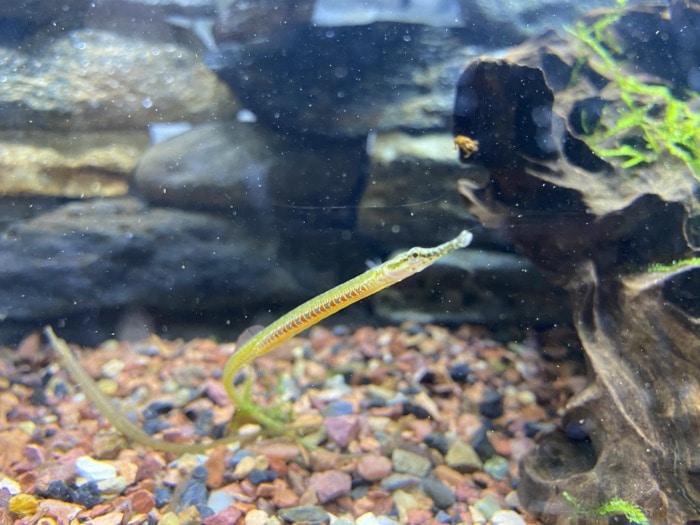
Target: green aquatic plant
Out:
[267,339]
[661,123]
[675,265]
[615,506]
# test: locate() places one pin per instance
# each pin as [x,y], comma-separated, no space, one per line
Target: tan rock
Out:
[75,165]
[216,465]
[94,79]
[141,501]
[11,444]
[113,518]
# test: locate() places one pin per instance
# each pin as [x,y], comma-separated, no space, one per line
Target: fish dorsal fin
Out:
[247,334]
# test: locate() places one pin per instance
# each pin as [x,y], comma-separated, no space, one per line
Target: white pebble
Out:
[112,368]
[94,470]
[507,517]
[367,519]
[11,485]
[256,517]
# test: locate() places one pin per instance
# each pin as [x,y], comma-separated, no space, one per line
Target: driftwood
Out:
[597,228]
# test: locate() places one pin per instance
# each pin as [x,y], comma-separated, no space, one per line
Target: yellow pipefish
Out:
[308,314]
[314,310]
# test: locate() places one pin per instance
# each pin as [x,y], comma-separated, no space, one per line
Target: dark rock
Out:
[335,73]
[441,494]
[154,425]
[199,473]
[237,457]
[88,495]
[491,404]
[162,496]
[204,421]
[437,441]
[416,410]
[204,510]
[157,408]
[399,481]
[108,254]
[194,490]
[60,491]
[481,443]
[576,430]
[60,389]
[257,477]
[459,372]
[532,428]
[336,78]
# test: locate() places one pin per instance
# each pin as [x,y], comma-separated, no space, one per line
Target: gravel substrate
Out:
[417,424]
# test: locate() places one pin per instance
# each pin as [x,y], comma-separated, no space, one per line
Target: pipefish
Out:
[304,316]
[314,310]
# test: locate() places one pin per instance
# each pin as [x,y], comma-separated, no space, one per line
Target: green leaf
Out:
[619,506]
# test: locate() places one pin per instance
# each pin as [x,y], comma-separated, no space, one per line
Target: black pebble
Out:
[219,431]
[415,330]
[154,425]
[437,441]
[441,494]
[491,406]
[60,491]
[38,397]
[162,496]
[416,410]
[204,422]
[200,473]
[532,428]
[204,511]
[575,430]
[60,390]
[88,495]
[427,377]
[257,477]
[374,402]
[237,457]
[195,491]
[459,372]
[481,444]
[157,408]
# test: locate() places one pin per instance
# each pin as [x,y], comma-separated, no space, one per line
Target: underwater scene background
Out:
[191,168]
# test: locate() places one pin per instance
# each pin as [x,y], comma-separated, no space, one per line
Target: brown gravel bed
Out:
[417,424]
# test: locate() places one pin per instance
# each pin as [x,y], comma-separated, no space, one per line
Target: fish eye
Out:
[414,254]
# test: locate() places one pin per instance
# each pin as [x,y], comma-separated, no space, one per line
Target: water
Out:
[196,167]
